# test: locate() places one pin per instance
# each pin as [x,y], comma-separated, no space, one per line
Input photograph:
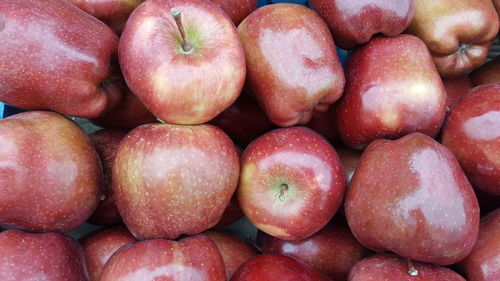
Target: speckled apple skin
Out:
[354,23]
[100,245]
[192,258]
[55,57]
[392,89]
[237,10]
[171,180]
[308,164]
[472,133]
[50,174]
[293,68]
[389,267]
[482,262]
[444,24]
[47,257]
[487,73]
[411,197]
[177,87]
[456,88]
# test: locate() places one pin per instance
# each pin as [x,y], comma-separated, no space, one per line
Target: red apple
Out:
[234,251]
[355,22]
[237,10]
[458,33]
[487,73]
[350,160]
[114,13]
[276,267]
[411,197]
[482,263]
[185,70]
[392,90]
[324,124]
[100,245]
[40,257]
[55,56]
[171,180]
[390,267]
[291,182]
[50,175]
[232,213]
[332,251]
[472,133]
[192,258]
[456,88]
[293,68]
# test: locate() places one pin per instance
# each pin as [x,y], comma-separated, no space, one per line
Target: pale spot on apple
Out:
[484,127]
[275,230]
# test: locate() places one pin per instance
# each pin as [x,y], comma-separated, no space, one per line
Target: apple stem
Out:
[283,189]
[177,17]
[412,271]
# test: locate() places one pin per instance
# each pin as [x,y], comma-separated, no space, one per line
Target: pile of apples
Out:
[214,110]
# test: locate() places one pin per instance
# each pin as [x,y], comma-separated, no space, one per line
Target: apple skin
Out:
[114,13]
[291,182]
[458,33]
[411,197]
[232,213]
[276,267]
[171,180]
[390,267]
[324,124]
[50,174]
[100,245]
[234,251]
[177,86]
[47,257]
[56,57]
[487,73]
[392,89]
[354,23]
[472,133]
[237,10]
[293,68]
[456,88]
[350,160]
[482,262]
[332,251]
[192,258]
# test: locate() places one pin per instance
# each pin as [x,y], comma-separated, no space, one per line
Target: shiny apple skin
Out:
[392,89]
[411,197]
[47,257]
[293,68]
[179,87]
[389,267]
[472,133]
[276,267]
[456,88]
[50,174]
[114,13]
[309,166]
[192,258]
[446,24]
[482,263]
[332,251]
[488,73]
[234,251]
[237,10]
[171,180]
[354,23]
[55,57]
[100,245]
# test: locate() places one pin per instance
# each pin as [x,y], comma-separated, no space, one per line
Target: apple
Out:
[332,251]
[392,89]
[55,57]
[350,160]
[183,59]
[487,202]
[354,23]
[472,133]
[487,73]
[191,258]
[98,247]
[458,33]
[389,267]
[456,88]
[232,213]
[324,124]
[50,174]
[482,262]
[237,10]
[171,180]
[234,251]
[411,197]
[37,257]
[293,68]
[276,267]
[114,13]
[291,182]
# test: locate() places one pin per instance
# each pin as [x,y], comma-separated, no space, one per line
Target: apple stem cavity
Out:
[412,271]
[186,47]
[462,48]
